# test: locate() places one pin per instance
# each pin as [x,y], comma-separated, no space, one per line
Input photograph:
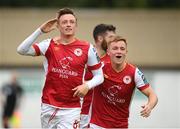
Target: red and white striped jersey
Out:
[64,66]
[111,100]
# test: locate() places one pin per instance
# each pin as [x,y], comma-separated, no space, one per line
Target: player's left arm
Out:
[96,68]
[152,101]
[143,85]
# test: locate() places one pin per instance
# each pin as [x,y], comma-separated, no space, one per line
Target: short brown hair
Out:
[65,11]
[101,29]
[116,39]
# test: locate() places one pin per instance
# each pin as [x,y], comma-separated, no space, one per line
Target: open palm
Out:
[49,25]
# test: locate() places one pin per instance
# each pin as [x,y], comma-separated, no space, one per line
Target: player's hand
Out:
[146,110]
[49,25]
[81,90]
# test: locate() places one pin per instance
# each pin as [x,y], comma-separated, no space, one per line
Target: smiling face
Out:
[67,25]
[117,51]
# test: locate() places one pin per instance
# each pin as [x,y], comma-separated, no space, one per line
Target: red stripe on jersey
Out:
[36,49]
[143,87]
[94,67]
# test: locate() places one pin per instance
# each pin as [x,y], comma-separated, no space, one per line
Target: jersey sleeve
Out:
[41,48]
[140,80]
[93,59]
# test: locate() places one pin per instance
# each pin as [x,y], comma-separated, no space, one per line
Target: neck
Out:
[119,67]
[100,51]
[67,39]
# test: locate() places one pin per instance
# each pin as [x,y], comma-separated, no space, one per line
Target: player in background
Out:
[11,96]
[102,34]
[111,103]
[65,61]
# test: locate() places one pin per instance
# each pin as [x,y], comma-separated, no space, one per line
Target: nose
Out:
[119,50]
[68,24]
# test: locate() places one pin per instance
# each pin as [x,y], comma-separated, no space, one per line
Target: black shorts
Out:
[8,111]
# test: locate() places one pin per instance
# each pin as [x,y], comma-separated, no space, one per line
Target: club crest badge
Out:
[127,79]
[78,52]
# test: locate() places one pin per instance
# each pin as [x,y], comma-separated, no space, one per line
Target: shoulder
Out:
[131,66]
[56,39]
[130,69]
[44,44]
[46,40]
[106,66]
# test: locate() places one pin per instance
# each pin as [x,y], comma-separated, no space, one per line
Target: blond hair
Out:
[116,39]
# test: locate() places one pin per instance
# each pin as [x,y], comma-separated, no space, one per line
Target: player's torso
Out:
[118,87]
[113,97]
[65,70]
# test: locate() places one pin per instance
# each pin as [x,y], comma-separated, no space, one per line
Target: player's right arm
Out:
[26,47]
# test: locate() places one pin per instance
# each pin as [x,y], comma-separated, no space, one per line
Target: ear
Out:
[100,38]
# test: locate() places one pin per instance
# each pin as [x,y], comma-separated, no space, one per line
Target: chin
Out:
[69,34]
[118,62]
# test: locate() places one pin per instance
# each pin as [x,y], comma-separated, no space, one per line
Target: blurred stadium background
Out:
[151,27]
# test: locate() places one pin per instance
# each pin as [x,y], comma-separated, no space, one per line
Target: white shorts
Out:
[61,118]
[93,126]
[84,121]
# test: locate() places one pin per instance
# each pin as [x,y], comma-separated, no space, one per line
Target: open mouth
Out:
[118,57]
[68,29]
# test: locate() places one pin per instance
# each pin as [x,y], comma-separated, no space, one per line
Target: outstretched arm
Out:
[83,89]
[97,72]
[152,101]
[25,48]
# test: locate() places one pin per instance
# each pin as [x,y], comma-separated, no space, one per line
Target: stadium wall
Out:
[152,35]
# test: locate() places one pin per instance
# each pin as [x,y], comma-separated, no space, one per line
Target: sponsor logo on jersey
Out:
[127,79]
[78,52]
[64,62]
[112,95]
[113,90]
[65,71]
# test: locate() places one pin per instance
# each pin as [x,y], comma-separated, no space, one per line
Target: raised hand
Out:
[49,25]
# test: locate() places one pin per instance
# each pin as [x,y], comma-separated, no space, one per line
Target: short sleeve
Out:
[93,59]
[140,80]
[41,47]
